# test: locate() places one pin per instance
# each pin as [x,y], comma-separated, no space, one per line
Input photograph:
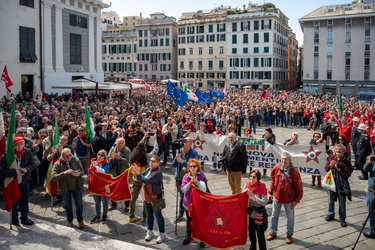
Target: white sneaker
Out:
[160,238]
[149,235]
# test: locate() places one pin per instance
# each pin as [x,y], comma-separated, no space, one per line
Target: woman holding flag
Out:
[101,165]
[196,177]
[257,192]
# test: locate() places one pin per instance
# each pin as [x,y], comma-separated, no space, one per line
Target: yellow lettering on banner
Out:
[206,198]
[230,200]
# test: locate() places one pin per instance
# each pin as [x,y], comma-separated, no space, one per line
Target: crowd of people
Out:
[138,130]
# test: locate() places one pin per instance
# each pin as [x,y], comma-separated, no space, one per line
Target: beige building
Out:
[338,48]
[201,48]
[157,48]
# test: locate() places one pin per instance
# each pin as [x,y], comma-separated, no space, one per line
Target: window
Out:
[256,37]
[234,39]
[316,25]
[181,31]
[347,63]
[245,50]
[210,50]
[200,51]
[256,25]
[191,63]
[367,49]
[234,50]
[367,63]
[367,35]
[28,3]
[190,30]
[316,37]
[221,37]
[181,52]
[316,75]
[200,38]
[234,26]
[181,40]
[245,38]
[200,65]
[210,65]
[191,51]
[366,76]
[316,50]
[161,42]
[348,23]
[347,8]
[329,75]
[266,37]
[221,64]
[211,38]
[329,24]
[221,27]
[347,50]
[166,41]
[329,63]
[329,36]
[27,44]
[256,49]
[266,49]
[256,62]
[316,63]
[348,36]
[245,26]
[367,6]
[331,9]
[221,50]
[75,20]
[367,23]
[190,39]
[75,49]
[210,28]
[347,75]
[200,29]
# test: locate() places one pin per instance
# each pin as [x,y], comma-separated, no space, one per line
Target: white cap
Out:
[362,126]
[355,119]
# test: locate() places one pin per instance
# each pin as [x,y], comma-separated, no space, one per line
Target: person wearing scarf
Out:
[82,147]
[152,178]
[101,165]
[68,171]
[257,192]
[25,164]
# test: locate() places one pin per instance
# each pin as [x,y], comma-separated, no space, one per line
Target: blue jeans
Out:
[253,126]
[77,196]
[370,201]
[104,200]
[276,209]
[22,203]
[150,218]
[166,150]
[342,205]
[300,121]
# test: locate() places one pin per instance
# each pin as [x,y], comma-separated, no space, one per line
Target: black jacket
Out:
[99,142]
[235,160]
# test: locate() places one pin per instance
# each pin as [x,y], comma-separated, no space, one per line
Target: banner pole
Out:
[10,219]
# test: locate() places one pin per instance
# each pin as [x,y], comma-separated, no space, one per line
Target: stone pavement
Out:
[311,229]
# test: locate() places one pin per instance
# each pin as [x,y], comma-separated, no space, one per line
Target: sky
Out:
[294,10]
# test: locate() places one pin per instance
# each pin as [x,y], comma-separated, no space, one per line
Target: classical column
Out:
[91,43]
[59,40]
[47,38]
[98,66]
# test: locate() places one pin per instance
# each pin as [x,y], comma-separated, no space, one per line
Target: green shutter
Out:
[230,75]
[241,63]
[230,62]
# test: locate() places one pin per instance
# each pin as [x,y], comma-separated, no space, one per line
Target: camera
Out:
[179,143]
[372,158]
[151,134]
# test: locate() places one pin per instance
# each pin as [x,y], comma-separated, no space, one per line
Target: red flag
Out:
[5,77]
[286,94]
[119,189]
[11,194]
[264,93]
[219,221]
[2,134]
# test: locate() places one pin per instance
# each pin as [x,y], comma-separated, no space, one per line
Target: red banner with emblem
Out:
[219,221]
[115,188]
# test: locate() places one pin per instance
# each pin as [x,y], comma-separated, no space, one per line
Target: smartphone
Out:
[151,134]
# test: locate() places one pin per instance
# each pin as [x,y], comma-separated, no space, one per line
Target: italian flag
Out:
[11,192]
[89,125]
[191,95]
[52,186]
[2,134]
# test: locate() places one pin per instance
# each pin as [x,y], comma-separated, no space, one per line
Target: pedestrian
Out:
[257,192]
[370,196]
[286,189]
[341,171]
[25,165]
[194,176]
[68,172]
[363,149]
[317,139]
[235,162]
[152,178]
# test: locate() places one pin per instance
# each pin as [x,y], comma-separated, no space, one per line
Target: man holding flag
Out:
[16,166]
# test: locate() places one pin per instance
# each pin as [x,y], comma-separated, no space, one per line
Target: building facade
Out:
[157,48]
[119,48]
[21,50]
[338,54]
[72,41]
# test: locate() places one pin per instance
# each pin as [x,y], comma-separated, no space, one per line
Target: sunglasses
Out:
[193,166]
[68,155]
[81,130]
[340,139]
[153,161]
[100,155]
[23,132]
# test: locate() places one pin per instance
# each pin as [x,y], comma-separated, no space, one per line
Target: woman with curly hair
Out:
[196,177]
[138,157]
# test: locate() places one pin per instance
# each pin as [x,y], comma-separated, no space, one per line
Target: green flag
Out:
[56,134]
[10,158]
[89,125]
[339,100]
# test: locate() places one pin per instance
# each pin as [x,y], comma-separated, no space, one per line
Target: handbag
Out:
[329,182]
[158,204]
[36,161]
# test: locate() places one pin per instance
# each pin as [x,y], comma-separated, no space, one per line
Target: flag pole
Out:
[10,219]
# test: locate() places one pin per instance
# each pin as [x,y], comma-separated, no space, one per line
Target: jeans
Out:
[370,201]
[23,203]
[104,200]
[253,126]
[77,196]
[342,205]
[276,208]
[256,231]
[300,121]
[166,150]
[150,218]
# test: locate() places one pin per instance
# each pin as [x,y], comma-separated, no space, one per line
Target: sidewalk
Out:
[311,229]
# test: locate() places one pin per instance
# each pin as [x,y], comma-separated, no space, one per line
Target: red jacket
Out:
[286,192]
